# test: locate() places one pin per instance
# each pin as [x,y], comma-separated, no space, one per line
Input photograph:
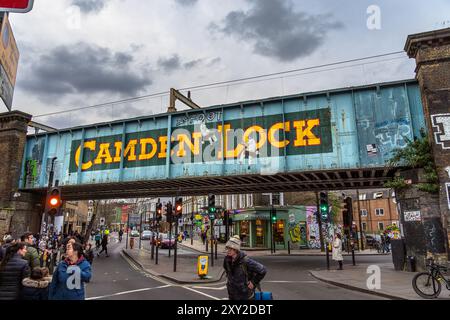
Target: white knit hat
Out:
[234,243]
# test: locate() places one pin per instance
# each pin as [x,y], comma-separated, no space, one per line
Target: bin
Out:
[398,254]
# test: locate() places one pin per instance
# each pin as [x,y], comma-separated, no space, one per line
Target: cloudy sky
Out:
[78,53]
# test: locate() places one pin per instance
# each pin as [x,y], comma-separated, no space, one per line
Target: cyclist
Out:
[120,235]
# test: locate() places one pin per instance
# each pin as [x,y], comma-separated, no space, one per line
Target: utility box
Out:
[398,254]
[202,266]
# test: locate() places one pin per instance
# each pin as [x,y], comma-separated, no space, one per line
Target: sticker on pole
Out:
[19,6]
[102,221]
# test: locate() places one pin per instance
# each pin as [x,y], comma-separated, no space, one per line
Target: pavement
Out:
[393,284]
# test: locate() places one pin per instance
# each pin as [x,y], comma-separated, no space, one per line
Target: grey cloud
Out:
[90,6]
[83,69]
[192,64]
[170,64]
[186,2]
[276,30]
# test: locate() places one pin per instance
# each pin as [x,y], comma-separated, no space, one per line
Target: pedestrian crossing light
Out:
[347,212]
[323,206]
[54,200]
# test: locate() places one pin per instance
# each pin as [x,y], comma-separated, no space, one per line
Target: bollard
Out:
[156,259]
[153,248]
[353,256]
[207,246]
[289,247]
[215,248]
[328,256]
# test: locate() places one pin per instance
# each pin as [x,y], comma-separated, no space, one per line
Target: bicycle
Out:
[428,284]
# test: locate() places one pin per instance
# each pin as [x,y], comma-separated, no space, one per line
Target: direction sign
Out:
[20,6]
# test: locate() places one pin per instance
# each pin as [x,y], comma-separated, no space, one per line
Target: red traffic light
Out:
[54,201]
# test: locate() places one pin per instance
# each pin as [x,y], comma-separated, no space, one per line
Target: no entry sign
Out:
[21,6]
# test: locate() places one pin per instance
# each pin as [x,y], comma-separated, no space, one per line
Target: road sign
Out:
[9,60]
[20,6]
[102,221]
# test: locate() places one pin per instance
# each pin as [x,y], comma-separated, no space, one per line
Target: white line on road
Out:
[127,292]
[209,288]
[199,292]
[288,281]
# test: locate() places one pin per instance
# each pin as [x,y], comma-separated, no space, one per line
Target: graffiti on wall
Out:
[313,231]
[441,128]
[390,135]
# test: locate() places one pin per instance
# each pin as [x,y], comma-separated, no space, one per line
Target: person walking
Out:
[88,253]
[71,275]
[104,246]
[13,269]
[120,235]
[243,274]
[32,255]
[36,286]
[337,250]
[98,239]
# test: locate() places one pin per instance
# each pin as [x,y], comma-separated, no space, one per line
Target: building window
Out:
[378,195]
[363,212]
[364,226]
[276,199]
[379,212]
[380,226]
[362,196]
[265,199]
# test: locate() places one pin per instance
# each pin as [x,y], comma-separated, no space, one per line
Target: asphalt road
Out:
[117,278]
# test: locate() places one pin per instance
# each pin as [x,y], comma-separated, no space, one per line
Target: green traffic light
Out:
[324,208]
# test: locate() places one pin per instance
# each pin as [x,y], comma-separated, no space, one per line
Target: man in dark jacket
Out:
[244,274]
[13,270]
[32,255]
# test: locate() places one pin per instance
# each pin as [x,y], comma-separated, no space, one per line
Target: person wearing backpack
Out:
[243,274]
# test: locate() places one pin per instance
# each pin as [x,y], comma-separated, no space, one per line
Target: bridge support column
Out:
[15,209]
[431,51]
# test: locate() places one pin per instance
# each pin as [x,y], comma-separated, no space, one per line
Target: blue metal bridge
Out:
[328,140]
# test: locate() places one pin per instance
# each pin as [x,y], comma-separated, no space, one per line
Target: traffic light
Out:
[212,206]
[169,211]
[274,215]
[54,200]
[158,211]
[179,206]
[323,206]
[347,212]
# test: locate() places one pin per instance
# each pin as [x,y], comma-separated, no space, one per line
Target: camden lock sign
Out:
[306,132]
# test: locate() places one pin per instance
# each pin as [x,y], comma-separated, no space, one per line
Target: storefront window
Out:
[279,232]
[244,233]
[259,233]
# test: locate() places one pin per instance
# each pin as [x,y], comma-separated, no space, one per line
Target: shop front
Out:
[255,229]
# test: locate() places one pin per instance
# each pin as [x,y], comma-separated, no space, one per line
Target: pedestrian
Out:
[8,241]
[32,255]
[98,239]
[89,253]
[337,250]
[71,275]
[387,243]
[243,274]
[104,245]
[120,235]
[36,286]
[13,269]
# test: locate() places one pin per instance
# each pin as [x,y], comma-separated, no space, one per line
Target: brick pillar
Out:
[432,53]
[14,208]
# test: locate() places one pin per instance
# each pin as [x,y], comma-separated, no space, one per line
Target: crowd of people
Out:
[46,267]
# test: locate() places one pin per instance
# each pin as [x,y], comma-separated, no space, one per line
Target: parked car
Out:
[167,242]
[134,233]
[146,235]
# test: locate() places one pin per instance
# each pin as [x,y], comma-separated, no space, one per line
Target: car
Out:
[134,233]
[167,242]
[146,235]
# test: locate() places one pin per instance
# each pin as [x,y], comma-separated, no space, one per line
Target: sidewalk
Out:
[201,248]
[186,266]
[394,284]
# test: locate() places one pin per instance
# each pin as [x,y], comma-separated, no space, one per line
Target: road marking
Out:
[288,281]
[202,293]
[127,292]
[209,288]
